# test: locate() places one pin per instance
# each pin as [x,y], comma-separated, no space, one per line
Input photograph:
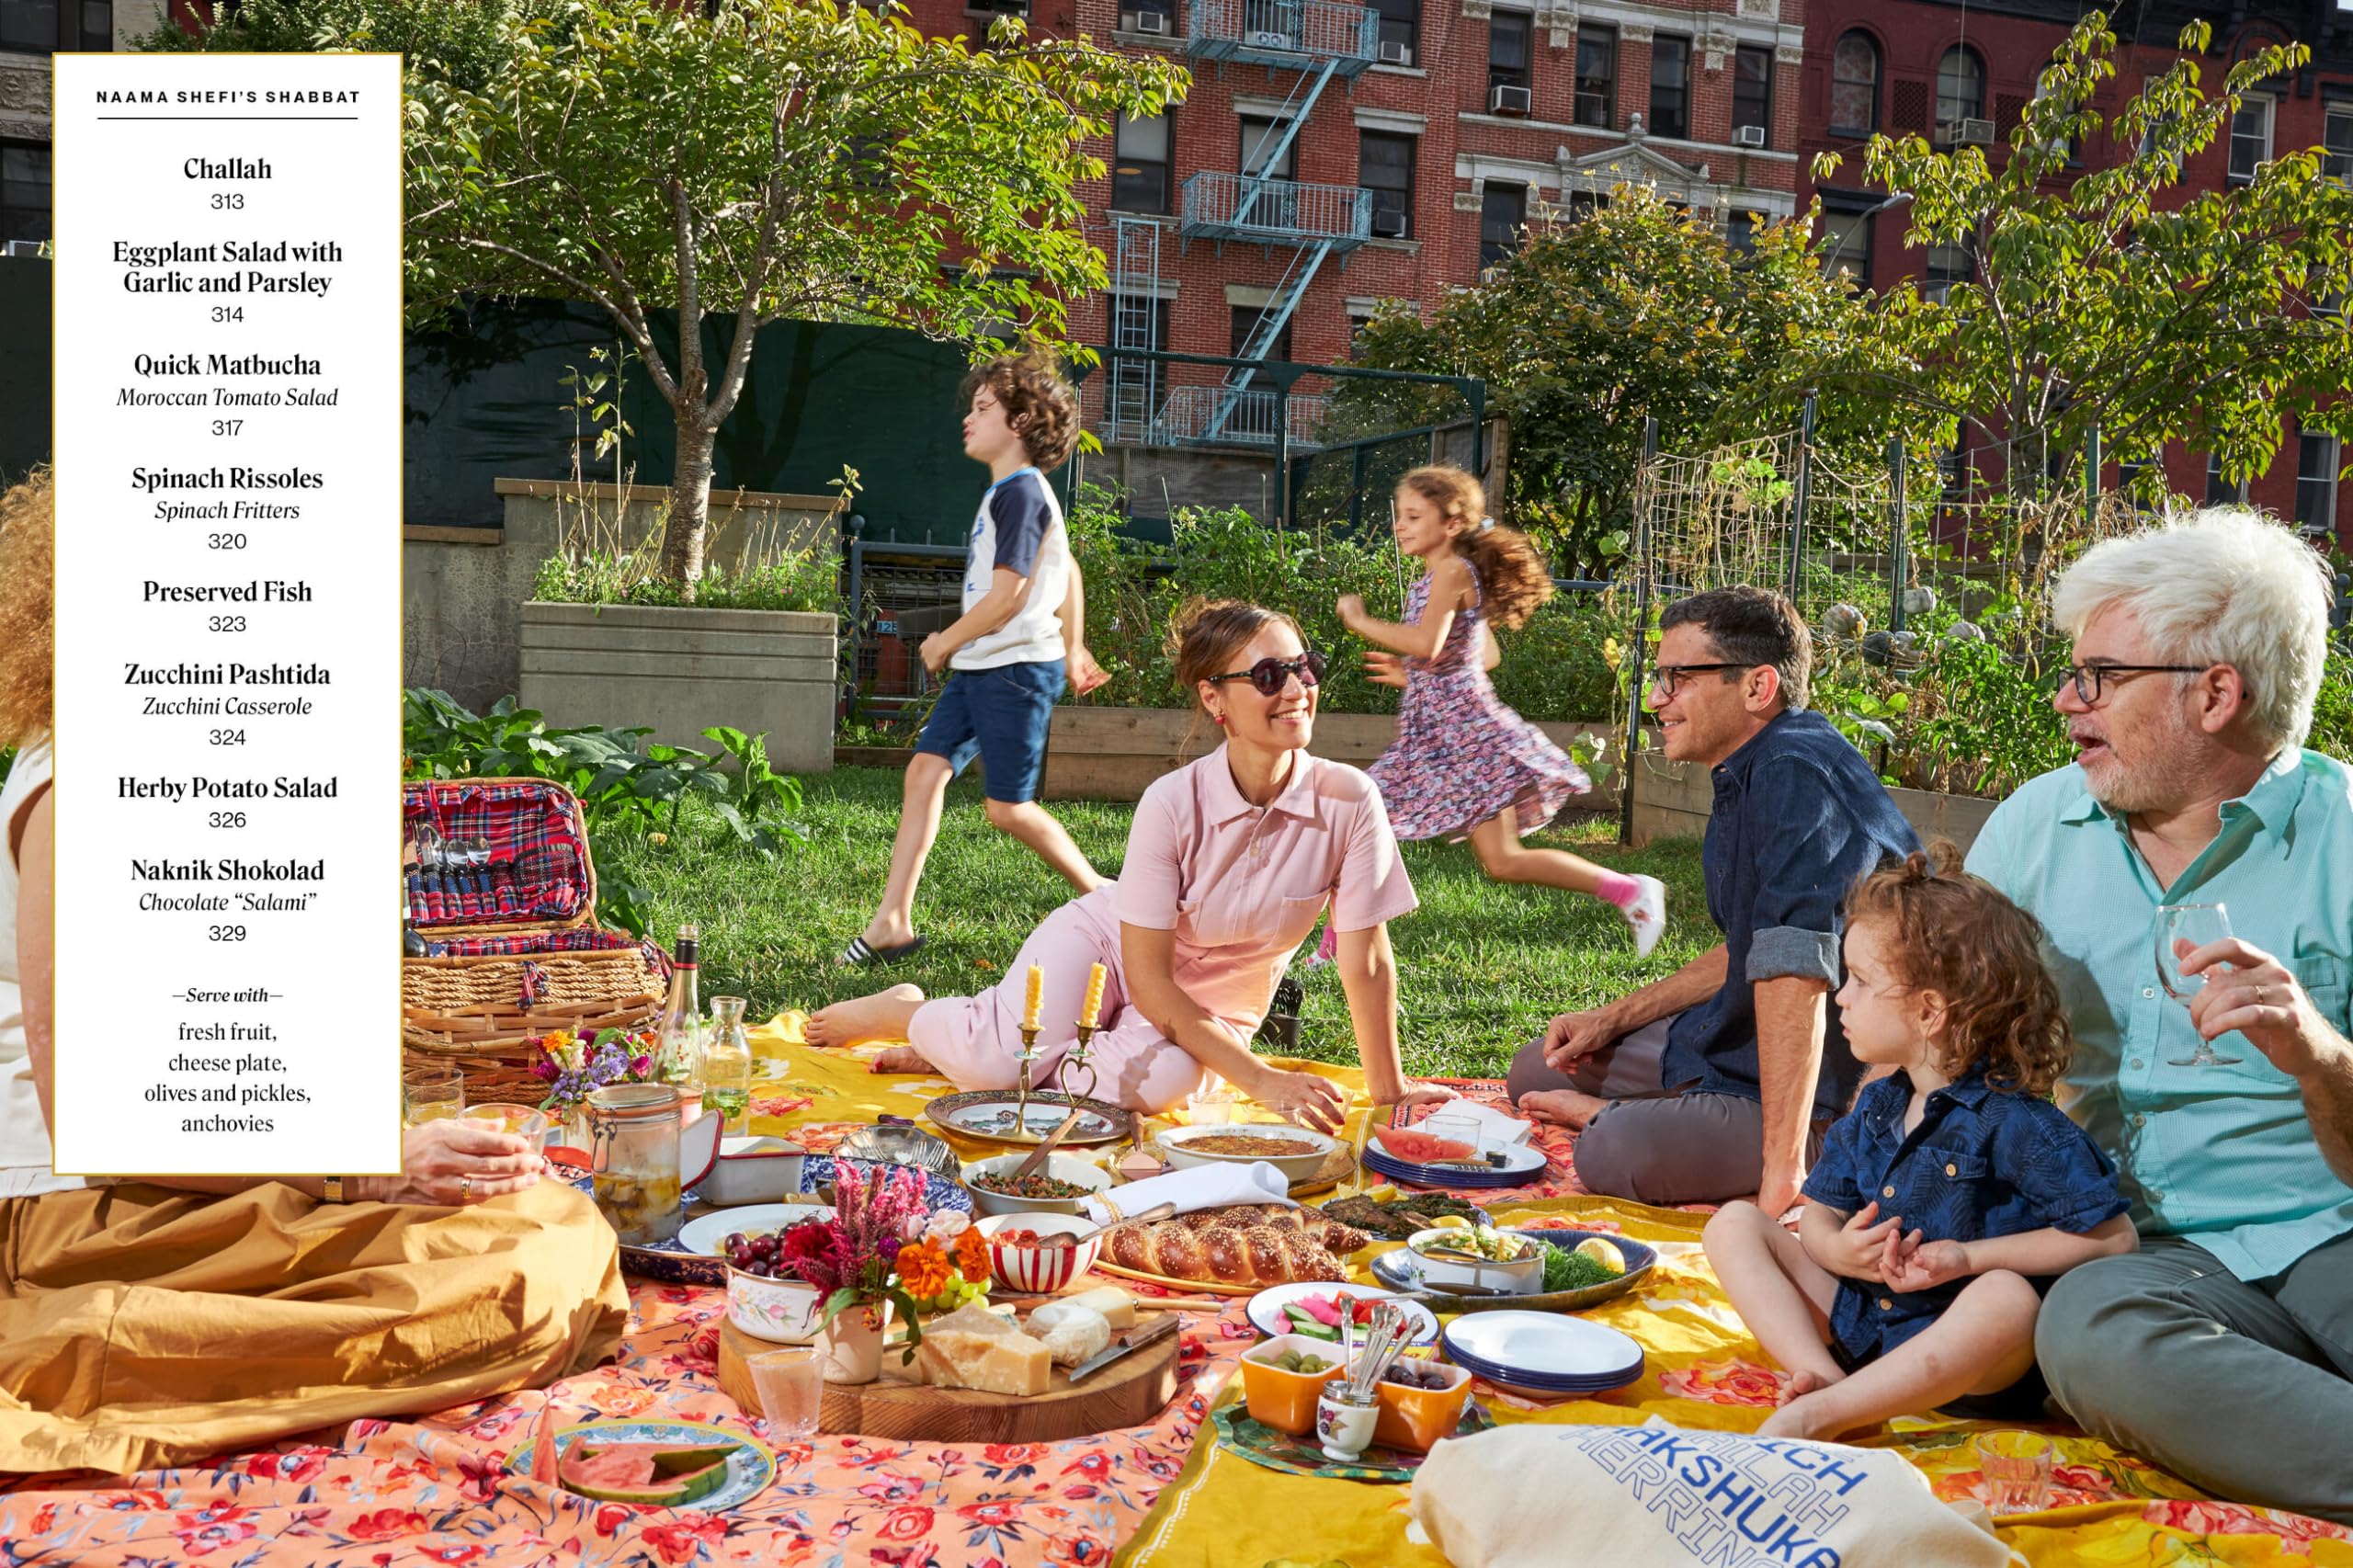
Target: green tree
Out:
[1635,310]
[2112,299]
[773,159]
[461,40]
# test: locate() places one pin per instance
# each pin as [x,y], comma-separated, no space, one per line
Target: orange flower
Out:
[972,1255]
[925,1270]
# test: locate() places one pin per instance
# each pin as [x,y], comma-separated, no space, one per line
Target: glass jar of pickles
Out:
[634,1160]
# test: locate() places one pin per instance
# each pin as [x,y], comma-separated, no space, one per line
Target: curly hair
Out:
[28,613]
[1513,577]
[1950,933]
[1039,403]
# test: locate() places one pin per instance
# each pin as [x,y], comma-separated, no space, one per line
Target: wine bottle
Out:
[677,1042]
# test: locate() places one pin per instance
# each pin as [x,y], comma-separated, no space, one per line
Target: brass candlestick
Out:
[1076,1062]
[1028,1055]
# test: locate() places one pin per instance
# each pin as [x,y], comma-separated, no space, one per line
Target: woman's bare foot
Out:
[882,1016]
[901,1058]
[1562,1108]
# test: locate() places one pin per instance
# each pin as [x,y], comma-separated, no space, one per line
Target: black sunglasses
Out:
[1268,676]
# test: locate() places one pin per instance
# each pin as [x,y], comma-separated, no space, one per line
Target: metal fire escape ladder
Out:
[1135,327]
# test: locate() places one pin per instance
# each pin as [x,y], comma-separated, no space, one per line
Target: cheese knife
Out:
[1136,1339]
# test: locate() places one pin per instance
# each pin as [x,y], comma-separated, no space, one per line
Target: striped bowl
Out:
[1041,1271]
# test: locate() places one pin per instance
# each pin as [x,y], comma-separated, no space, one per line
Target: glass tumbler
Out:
[791,1386]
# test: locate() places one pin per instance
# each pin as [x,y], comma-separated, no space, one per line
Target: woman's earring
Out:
[1220,718]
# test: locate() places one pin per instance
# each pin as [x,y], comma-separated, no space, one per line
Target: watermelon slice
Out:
[1420,1148]
[656,1475]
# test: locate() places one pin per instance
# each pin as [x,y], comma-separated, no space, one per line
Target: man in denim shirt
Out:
[1718,1081]
[2222,1348]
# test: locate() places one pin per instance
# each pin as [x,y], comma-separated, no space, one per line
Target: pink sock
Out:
[1620,890]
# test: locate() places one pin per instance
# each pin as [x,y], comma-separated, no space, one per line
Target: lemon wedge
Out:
[1384,1193]
[1450,1222]
[1604,1252]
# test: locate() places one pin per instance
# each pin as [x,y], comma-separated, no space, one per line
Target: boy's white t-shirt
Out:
[1019,527]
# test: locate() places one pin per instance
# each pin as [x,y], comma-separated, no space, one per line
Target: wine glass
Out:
[2196,925]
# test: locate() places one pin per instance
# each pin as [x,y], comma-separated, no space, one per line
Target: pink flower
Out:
[545,1070]
[911,1229]
[641,1065]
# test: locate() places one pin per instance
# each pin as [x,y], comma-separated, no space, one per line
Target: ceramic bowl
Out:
[782,1312]
[1313,1147]
[1041,1271]
[1286,1401]
[1415,1419]
[1445,1270]
[1062,1167]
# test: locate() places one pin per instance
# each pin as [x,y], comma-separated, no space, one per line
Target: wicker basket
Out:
[490,983]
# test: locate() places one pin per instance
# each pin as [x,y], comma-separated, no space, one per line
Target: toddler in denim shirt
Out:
[1952,1193]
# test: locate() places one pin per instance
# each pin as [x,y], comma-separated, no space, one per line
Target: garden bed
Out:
[1673,800]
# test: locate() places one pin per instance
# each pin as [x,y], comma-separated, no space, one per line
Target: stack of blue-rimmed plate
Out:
[1544,1354]
[1520,1165]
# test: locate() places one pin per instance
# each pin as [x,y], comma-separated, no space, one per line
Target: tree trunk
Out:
[682,542]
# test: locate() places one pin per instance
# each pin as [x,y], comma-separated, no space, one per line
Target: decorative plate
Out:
[1188,1286]
[1543,1353]
[1397,1270]
[749,1469]
[674,1263]
[1263,1445]
[997,1115]
[1267,1309]
[1522,1165]
[1477,1215]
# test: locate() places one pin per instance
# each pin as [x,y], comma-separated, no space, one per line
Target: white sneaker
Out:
[1647,915]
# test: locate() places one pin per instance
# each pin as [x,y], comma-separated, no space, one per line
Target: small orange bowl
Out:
[1416,1418]
[1286,1401]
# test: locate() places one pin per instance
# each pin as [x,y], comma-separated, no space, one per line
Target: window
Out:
[1507,49]
[1847,241]
[1502,211]
[1670,86]
[2317,482]
[1131,10]
[1752,90]
[1740,231]
[2337,140]
[44,27]
[1960,91]
[23,192]
[1258,136]
[2250,136]
[1245,322]
[1139,165]
[1949,265]
[2218,489]
[1401,25]
[1597,75]
[1854,85]
[1385,167]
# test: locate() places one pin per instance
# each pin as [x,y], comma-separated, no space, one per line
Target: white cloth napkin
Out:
[1203,1186]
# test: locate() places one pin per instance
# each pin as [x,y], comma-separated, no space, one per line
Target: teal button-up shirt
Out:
[2221,1156]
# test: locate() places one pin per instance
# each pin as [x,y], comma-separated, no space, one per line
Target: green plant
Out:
[754,787]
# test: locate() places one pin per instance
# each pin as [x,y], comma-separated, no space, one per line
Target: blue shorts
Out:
[1002,715]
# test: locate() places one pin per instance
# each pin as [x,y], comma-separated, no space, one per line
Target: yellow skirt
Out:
[143,1328]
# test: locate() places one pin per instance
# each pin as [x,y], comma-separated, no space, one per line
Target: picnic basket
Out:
[513,949]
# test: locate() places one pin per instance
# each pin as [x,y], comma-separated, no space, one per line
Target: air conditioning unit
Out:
[1267,38]
[1152,22]
[1506,99]
[1388,223]
[1973,132]
[1748,136]
[1396,55]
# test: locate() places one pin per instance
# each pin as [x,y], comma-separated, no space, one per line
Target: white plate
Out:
[1267,1308]
[704,1235]
[1518,1159]
[1545,1345]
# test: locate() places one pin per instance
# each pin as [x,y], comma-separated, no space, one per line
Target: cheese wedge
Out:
[1119,1307]
[1069,1331]
[974,1349]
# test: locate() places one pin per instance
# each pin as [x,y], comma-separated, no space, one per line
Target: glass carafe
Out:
[634,1160]
[727,1062]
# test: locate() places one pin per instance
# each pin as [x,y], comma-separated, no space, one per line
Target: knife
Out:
[1136,1340]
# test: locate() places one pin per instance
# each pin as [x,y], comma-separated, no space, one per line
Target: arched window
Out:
[1854,85]
[1960,91]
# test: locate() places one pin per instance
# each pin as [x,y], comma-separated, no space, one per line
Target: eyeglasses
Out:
[1666,677]
[1268,676]
[2088,678]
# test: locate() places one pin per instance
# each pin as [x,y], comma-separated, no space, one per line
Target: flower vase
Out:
[850,1347]
[576,1128]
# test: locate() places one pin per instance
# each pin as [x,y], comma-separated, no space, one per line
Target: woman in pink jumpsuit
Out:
[1230,861]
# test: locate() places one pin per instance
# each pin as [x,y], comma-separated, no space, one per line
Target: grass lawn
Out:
[1483,966]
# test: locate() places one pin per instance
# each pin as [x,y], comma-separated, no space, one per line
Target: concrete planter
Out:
[1112,754]
[682,670]
[1673,800]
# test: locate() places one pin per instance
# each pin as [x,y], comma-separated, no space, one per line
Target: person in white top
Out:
[231,1311]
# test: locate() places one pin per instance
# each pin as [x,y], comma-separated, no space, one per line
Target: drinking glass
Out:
[1461,1128]
[2195,925]
[431,1094]
[791,1386]
[1216,1104]
[2017,1467]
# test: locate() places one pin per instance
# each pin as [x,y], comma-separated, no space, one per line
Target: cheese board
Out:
[1130,1391]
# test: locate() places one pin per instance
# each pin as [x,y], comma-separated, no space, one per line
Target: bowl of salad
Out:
[1055,1188]
[1478,1258]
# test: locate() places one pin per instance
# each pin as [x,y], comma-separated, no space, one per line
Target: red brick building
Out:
[1961,73]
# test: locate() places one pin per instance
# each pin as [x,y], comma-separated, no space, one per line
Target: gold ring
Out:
[2259,995]
[466,1189]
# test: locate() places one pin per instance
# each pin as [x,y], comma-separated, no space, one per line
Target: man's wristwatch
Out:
[333,1185]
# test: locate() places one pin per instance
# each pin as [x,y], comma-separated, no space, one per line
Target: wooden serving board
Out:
[1131,1391]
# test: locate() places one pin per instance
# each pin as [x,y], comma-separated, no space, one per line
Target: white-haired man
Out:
[2223,1348]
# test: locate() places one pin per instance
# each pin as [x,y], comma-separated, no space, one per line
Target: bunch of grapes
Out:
[753,1254]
